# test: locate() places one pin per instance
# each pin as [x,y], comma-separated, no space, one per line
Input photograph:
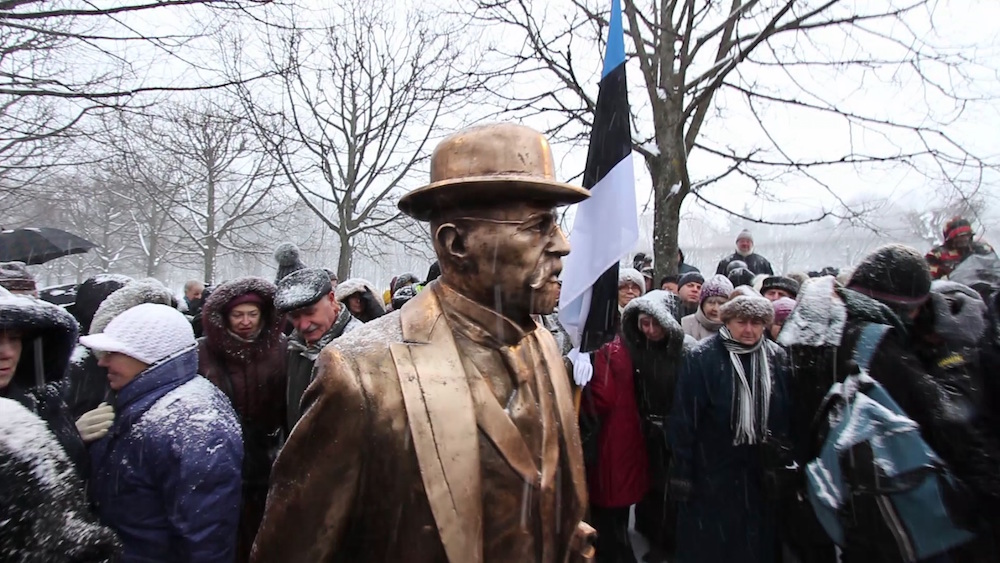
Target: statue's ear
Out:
[450,238]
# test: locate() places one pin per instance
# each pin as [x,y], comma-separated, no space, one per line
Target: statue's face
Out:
[511,258]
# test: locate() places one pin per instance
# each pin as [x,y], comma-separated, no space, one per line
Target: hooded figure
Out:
[87,382]
[167,475]
[31,329]
[83,393]
[744,252]
[44,516]
[359,297]
[250,370]
[656,344]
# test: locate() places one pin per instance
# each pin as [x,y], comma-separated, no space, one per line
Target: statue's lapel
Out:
[442,418]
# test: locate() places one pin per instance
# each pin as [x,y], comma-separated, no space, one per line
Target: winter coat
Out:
[656,365]
[301,359]
[253,375]
[755,263]
[694,326]
[729,516]
[373,303]
[621,475]
[86,385]
[944,258]
[44,517]
[928,385]
[167,475]
[55,331]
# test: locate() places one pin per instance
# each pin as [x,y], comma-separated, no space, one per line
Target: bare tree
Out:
[705,59]
[224,184]
[62,62]
[362,99]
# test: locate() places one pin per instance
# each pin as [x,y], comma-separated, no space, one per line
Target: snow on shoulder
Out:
[819,317]
[192,412]
[27,438]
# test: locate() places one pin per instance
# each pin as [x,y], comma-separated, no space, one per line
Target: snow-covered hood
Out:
[660,305]
[37,319]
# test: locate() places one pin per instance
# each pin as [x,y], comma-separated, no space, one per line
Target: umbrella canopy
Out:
[39,245]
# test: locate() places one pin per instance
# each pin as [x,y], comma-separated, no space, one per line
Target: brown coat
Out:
[384,465]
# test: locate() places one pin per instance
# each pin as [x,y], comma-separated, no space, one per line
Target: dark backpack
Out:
[873,454]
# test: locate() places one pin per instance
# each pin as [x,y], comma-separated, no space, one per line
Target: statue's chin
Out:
[545,299]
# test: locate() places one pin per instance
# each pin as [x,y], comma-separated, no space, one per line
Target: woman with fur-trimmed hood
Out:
[26,322]
[730,406]
[360,298]
[656,344]
[243,353]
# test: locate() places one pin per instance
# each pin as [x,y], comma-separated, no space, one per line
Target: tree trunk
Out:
[346,260]
[666,218]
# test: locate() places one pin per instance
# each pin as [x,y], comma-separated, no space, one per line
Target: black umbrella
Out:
[39,245]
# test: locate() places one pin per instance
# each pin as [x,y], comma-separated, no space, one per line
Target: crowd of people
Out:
[142,427]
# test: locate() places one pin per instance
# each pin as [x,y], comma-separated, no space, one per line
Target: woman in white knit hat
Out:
[167,475]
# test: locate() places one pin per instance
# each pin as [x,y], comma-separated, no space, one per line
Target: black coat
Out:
[940,399]
[730,515]
[656,365]
[755,263]
[55,330]
[44,515]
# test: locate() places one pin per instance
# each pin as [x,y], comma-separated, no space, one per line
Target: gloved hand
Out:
[680,490]
[583,371]
[93,425]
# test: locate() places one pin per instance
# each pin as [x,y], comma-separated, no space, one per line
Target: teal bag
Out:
[875,449]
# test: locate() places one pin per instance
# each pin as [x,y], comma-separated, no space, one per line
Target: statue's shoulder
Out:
[372,338]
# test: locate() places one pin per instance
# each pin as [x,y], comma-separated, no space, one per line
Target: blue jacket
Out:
[167,475]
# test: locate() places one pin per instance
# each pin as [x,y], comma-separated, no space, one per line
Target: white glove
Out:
[583,371]
[93,425]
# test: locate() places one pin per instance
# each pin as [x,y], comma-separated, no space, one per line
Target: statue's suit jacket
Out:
[384,465]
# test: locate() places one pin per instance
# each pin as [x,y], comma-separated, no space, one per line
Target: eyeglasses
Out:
[543,224]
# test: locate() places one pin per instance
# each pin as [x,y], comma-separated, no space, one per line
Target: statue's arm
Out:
[315,480]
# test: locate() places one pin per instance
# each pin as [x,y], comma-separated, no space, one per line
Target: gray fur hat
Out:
[746,305]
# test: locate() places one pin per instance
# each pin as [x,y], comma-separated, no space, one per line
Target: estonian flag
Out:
[606,227]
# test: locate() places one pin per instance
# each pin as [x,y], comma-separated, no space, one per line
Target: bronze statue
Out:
[446,431]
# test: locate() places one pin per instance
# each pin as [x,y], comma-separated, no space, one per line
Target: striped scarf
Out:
[751,395]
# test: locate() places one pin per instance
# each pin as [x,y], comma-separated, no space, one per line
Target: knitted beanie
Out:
[956,227]
[716,286]
[690,277]
[782,308]
[744,306]
[632,275]
[248,297]
[14,276]
[893,274]
[287,257]
[149,333]
[780,282]
[744,234]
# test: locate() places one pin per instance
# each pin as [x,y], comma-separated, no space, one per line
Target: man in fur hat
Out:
[446,431]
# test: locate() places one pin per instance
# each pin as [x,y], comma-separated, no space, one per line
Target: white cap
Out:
[149,332]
